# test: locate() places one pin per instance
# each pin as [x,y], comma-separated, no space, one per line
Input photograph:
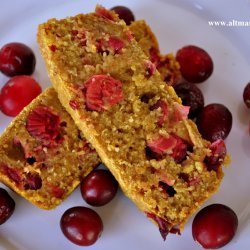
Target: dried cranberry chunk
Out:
[43,124]
[116,44]
[175,230]
[162,144]
[150,69]
[13,173]
[162,224]
[218,153]
[180,112]
[191,181]
[80,36]
[154,56]
[32,182]
[19,145]
[113,45]
[74,104]
[53,48]
[172,145]
[102,92]
[180,150]
[55,190]
[101,11]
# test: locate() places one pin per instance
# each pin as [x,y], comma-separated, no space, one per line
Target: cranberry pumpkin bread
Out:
[167,65]
[134,120]
[42,153]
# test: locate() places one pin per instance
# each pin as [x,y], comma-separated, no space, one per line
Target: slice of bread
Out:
[43,156]
[133,119]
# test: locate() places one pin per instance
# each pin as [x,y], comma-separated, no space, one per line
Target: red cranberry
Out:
[102,92]
[7,206]
[214,122]
[17,59]
[195,63]
[191,96]
[246,95]
[18,92]
[214,226]
[43,124]
[124,13]
[32,182]
[116,44]
[99,187]
[81,225]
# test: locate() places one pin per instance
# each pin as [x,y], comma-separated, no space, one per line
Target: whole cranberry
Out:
[18,92]
[196,65]
[99,187]
[246,95]
[191,96]
[124,13]
[214,226]
[7,206]
[17,59]
[81,225]
[214,122]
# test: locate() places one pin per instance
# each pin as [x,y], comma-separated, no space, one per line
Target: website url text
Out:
[232,23]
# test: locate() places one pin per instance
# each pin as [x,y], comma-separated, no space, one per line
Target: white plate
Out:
[176,23]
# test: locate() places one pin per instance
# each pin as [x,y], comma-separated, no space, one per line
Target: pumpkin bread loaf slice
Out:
[133,119]
[43,156]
